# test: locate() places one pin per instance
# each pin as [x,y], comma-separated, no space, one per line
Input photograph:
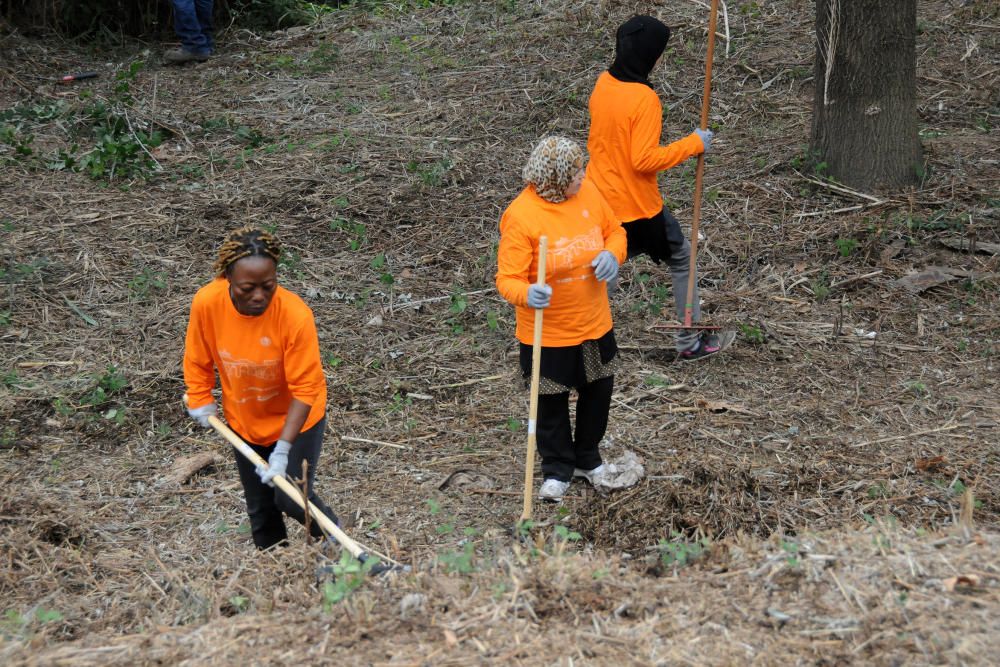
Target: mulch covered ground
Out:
[823,493]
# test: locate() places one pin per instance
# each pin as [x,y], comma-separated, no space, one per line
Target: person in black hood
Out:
[626,123]
[639,43]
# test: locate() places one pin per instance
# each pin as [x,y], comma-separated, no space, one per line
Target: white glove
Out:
[706,138]
[605,266]
[277,463]
[539,296]
[202,414]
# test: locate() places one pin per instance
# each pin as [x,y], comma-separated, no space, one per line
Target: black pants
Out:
[661,238]
[561,452]
[265,505]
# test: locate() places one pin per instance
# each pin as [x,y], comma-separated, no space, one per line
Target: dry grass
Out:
[827,467]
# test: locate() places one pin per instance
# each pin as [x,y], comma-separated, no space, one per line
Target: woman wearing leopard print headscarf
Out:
[586,245]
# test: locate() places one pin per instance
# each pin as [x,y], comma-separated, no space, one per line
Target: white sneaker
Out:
[553,489]
[595,476]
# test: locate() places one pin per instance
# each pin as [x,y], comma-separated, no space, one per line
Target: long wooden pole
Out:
[700,171]
[536,371]
[290,490]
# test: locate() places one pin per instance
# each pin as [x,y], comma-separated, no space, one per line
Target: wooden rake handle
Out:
[293,492]
[699,173]
[536,372]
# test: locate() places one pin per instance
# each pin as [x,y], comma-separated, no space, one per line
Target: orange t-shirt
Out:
[263,361]
[577,230]
[624,145]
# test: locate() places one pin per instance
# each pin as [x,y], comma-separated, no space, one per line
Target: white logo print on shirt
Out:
[267,372]
[568,255]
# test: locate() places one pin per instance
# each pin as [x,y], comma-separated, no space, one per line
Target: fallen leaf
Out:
[185,468]
[450,638]
[926,279]
[932,463]
[467,478]
[959,243]
[967,580]
[892,250]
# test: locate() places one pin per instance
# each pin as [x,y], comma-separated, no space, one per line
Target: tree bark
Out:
[865,107]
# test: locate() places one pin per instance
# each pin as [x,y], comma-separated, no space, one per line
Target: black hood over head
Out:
[639,42]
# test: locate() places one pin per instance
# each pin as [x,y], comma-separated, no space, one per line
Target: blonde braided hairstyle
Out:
[246,242]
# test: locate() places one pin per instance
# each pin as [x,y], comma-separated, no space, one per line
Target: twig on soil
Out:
[467,382]
[349,438]
[950,427]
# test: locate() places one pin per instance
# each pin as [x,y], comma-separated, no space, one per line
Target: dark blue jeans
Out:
[193,24]
[265,505]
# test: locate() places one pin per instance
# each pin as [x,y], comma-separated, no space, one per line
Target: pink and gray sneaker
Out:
[708,344]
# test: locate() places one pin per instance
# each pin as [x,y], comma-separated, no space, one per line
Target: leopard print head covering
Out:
[552,166]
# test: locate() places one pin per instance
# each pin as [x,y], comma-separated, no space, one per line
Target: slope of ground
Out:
[822,465]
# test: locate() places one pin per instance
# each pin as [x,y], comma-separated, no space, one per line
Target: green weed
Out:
[879,490]
[147,282]
[563,533]
[15,624]
[752,333]
[820,286]
[431,175]
[10,379]
[355,231]
[291,263]
[378,263]
[792,549]
[462,561]
[20,143]
[348,575]
[679,552]
[846,246]
[108,384]
[458,304]
[240,603]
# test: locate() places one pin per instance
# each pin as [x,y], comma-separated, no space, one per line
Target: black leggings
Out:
[265,505]
[561,452]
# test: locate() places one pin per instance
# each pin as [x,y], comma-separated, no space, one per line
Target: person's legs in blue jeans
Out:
[203,9]
[188,25]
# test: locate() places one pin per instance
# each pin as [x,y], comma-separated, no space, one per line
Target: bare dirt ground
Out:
[825,493]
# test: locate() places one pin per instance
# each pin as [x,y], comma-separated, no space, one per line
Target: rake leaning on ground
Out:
[536,369]
[699,178]
[330,529]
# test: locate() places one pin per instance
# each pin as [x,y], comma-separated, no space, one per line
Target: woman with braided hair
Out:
[262,341]
[586,243]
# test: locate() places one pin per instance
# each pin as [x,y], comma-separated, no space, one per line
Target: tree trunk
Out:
[865,107]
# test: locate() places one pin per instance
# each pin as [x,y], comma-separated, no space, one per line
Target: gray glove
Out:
[539,295]
[706,137]
[202,414]
[605,266]
[277,463]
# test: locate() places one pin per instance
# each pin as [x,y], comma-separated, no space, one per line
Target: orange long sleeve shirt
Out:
[577,230]
[624,144]
[263,361]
